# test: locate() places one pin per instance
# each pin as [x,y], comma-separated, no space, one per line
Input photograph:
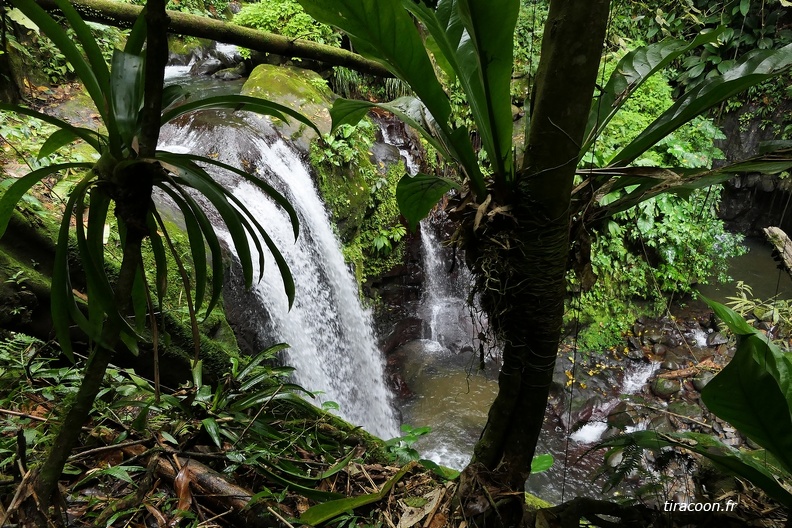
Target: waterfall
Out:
[332,345]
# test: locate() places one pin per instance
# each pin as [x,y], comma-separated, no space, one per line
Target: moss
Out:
[534,503]
[302,90]
[186,45]
[361,198]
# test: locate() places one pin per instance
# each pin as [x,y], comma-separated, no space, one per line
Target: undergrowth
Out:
[252,431]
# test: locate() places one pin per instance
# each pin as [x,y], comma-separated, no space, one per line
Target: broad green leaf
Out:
[311,493]
[383,31]
[747,396]
[173,93]
[630,73]
[89,136]
[754,69]
[338,466]
[541,463]
[417,195]
[188,173]
[126,94]
[269,190]
[441,471]
[251,223]
[329,510]
[409,109]
[63,306]
[158,250]
[488,44]
[89,243]
[732,319]
[765,352]
[101,297]
[237,103]
[445,31]
[70,51]
[14,193]
[92,51]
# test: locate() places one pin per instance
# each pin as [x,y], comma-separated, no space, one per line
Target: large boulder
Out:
[302,90]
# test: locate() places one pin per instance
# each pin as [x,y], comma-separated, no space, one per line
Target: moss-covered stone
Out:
[302,90]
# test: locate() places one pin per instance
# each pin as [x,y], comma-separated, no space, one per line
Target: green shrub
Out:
[287,18]
[361,198]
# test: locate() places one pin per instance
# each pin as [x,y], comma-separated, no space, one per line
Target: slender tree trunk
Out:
[522,264]
[131,190]
[68,434]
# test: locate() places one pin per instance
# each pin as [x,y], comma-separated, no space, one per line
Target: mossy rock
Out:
[302,90]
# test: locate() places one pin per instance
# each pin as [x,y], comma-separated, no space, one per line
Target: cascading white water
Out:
[332,344]
[445,309]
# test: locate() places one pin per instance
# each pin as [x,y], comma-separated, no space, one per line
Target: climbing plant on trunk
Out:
[517,223]
[133,104]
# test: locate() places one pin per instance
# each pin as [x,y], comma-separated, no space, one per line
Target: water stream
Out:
[332,345]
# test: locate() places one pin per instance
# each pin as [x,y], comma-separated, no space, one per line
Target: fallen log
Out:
[123,15]
[783,245]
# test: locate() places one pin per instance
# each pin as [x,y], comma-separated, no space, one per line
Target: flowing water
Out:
[331,342]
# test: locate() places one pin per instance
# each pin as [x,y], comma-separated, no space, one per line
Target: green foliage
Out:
[401,448]
[122,88]
[213,8]
[361,198]
[750,25]
[690,146]
[253,421]
[287,18]
[663,246]
[53,63]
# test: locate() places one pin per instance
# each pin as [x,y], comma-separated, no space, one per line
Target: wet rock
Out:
[206,66]
[622,416]
[661,424]
[665,388]
[671,340]
[659,350]
[669,365]
[652,336]
[716,338]
[700,381]
[230,74]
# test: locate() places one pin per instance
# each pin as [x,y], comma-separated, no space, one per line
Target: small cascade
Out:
[445,311]
[332,345]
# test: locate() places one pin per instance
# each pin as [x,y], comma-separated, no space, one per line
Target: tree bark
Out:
[524,272]
[124,15]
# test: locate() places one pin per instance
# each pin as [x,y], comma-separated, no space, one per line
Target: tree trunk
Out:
[124,15]
[521,265]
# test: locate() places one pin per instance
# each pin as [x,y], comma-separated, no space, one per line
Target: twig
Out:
[23,415]
[281,519]
[688,418]
[102,449]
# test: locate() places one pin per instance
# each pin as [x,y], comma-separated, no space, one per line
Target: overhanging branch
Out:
[123,15]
